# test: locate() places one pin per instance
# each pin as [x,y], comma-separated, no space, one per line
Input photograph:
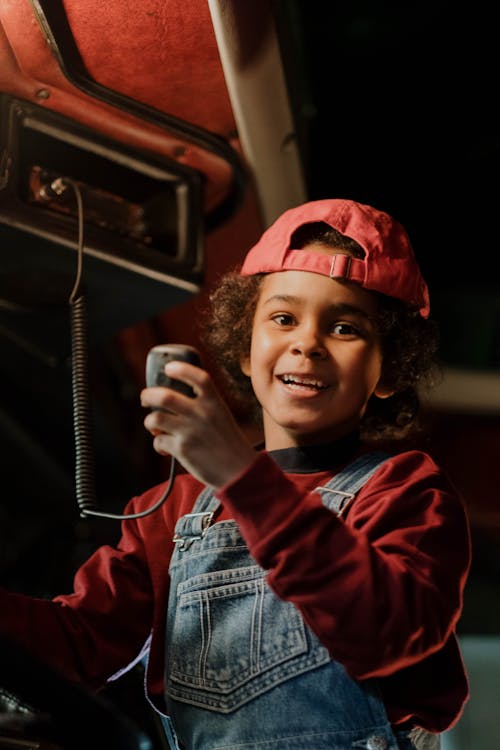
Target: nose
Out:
[308,342]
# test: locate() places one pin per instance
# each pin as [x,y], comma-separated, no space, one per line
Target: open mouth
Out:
[296,381]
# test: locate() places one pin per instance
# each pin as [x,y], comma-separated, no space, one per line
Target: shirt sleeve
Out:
[381,589]
[98,628]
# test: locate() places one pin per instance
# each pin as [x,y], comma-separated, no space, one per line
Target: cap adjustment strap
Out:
[340,267]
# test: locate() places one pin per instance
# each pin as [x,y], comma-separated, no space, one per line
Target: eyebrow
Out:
[338,308]
[282,298]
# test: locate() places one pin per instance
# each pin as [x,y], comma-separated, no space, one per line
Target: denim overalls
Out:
[243,671]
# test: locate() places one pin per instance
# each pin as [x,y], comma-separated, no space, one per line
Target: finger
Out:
[160,422]
[160,447]
[164,399]
[196,377]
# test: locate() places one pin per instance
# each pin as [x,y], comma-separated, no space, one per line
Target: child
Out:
[280,613]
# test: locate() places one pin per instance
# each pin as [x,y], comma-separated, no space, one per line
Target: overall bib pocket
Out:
[234,639]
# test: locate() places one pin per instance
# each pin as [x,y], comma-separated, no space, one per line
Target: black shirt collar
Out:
[307,459]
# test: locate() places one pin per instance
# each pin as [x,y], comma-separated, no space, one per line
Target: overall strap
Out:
[341,490]
[194,525]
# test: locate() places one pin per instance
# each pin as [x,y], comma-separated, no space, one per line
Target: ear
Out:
[383,391]
[245,365]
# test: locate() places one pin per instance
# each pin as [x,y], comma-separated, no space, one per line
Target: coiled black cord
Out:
[82,409]
[82,412]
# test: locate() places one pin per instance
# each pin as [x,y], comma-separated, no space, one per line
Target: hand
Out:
[200,432]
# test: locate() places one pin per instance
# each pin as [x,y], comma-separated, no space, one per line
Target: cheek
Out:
[261,345]
[262,359]
[364,366]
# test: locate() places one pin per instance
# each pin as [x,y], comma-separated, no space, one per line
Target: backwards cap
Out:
[389,267]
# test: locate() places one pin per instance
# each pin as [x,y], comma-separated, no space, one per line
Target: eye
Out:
[283,319]
[345,329]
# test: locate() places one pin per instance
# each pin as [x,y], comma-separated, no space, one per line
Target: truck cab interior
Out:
[144,147]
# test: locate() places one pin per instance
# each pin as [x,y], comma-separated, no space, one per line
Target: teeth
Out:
[310,382]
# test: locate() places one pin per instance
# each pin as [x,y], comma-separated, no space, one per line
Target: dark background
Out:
[397,107]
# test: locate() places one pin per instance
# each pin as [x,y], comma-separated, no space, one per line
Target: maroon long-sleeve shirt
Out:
[381,588]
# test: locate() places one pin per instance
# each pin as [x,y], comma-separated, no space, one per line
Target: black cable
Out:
[82,410]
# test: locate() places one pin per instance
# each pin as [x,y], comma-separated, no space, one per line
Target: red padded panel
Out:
[172,65]
[162,53]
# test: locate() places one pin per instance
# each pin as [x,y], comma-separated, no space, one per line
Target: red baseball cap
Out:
[389,267]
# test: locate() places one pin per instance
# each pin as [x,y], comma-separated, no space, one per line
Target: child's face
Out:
[315,357]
